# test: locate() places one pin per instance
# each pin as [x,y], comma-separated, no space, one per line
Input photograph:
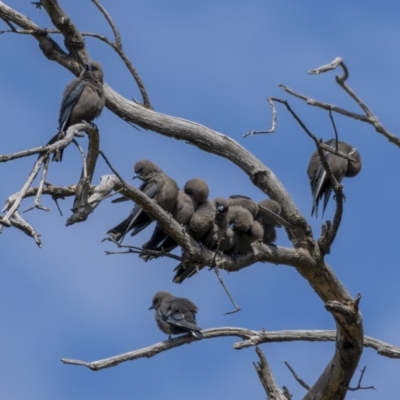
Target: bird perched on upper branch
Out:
[83,99]
[156,185]
[321,186]
[175,315]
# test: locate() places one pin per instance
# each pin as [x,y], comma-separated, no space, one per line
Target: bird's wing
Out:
[137,213]
[70,98]
[277,218]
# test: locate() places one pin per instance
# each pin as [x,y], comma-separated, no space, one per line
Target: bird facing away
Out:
[321,186]
[83,99]
[175,315]
[156,185]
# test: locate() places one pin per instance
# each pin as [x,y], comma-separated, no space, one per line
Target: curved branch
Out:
[250,339]
[368,117]
[73,39]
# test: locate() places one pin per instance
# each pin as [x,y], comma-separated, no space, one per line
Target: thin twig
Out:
[302,383]
[139,250]
[369,117]
[334,129]
[273,127]
[36,167]
[221,281]
[110,22]
[359,387]
[36,203]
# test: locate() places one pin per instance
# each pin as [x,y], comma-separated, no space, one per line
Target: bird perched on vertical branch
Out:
[156,185]
[175,315]
[83,99]
[321,185]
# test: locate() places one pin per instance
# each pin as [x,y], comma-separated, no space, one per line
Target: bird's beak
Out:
[232,226]
[135,176]
[151,307]
[221,208]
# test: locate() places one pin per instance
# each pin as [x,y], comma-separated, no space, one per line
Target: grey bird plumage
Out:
[268,223]
[245,228]
[83,99]
[219,231]
[195,193]
[156,185]
[182,212]
[321,186]
[175,315]
[245,202]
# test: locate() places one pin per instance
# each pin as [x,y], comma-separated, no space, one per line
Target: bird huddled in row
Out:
[321,185]
[83,100]
[227,225]
[175,315]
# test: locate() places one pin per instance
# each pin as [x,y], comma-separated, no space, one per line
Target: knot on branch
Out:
[348,309]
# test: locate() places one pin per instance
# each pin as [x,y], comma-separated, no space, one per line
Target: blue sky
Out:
[214,63]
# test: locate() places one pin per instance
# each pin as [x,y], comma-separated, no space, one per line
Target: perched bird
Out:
[156,185]
[321,185]
[195,193]
[182,212]
[175,315]
[245,202]
[203,217]
[83,99]
[219,231]
[254,208]
[268,223]
[245,228]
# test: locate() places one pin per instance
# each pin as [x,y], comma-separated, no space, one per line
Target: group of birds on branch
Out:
[228,225]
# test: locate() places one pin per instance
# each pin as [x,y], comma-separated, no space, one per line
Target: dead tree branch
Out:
[273,127]
[250,338]
[368,116]
[267,379]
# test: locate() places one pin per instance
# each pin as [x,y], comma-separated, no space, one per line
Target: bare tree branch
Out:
[301,382]
[250,338]
[359,387]
[273,127]
[368,117]
[267,379]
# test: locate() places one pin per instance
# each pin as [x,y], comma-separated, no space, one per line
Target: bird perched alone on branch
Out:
[321,185]
[156,185]
[83,100]
[175,315]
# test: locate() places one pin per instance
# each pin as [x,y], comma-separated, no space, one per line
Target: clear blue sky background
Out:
[212,62]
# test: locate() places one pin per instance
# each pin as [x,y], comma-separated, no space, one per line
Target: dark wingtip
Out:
[197,334]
